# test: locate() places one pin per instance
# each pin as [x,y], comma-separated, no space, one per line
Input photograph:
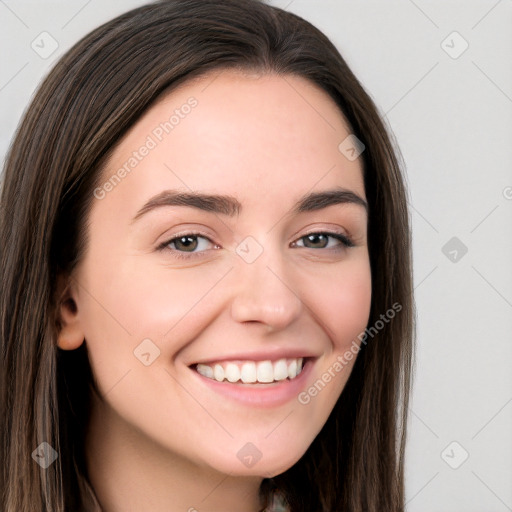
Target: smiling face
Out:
[177,291]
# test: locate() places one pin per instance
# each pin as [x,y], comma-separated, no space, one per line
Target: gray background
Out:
[451,113]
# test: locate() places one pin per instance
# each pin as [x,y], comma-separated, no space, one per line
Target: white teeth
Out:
[205,370]
[265,371]
[280,370]
[292,369]
[232,372]
[250,371]
[218,372]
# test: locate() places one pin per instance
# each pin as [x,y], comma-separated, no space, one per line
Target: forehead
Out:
[251,135]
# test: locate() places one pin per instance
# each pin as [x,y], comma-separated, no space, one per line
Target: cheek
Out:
[342,309]
[124,303]
[343,303]
[162,302]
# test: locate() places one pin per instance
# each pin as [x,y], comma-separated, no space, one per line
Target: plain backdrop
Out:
[441,75]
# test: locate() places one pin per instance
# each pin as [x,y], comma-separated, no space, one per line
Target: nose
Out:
[265,293]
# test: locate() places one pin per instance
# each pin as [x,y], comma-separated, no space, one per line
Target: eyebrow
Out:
[230,206]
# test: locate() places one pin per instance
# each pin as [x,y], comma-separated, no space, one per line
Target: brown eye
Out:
[316,240]
[320,240]
[187,245]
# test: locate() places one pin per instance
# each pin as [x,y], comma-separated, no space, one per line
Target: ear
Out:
[70,334]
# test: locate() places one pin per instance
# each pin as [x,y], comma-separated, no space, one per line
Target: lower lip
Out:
[262,395]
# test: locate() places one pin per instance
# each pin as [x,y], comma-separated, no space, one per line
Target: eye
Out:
[188,245]
[320,240]
[185,245]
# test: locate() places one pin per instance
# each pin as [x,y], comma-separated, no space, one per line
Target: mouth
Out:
[252,372]
[263,382]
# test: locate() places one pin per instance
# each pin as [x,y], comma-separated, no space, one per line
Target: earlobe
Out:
[70,334]
[68,340]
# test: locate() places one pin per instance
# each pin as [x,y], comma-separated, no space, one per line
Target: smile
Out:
[263,382]
[249,372]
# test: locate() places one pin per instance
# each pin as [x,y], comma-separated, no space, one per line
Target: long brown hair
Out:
[95,93]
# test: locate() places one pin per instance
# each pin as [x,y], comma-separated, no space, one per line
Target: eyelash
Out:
[346,242]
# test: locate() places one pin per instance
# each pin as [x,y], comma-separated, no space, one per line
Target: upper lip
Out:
[267,355]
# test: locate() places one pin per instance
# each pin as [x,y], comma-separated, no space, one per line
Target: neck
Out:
[129,471]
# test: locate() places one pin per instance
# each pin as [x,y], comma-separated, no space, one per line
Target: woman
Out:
[206,274]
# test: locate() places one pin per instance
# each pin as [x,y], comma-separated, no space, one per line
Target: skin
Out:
[158,439]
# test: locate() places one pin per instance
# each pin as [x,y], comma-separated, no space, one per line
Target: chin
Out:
[266,463]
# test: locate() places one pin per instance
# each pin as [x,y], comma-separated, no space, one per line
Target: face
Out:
[216,326]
